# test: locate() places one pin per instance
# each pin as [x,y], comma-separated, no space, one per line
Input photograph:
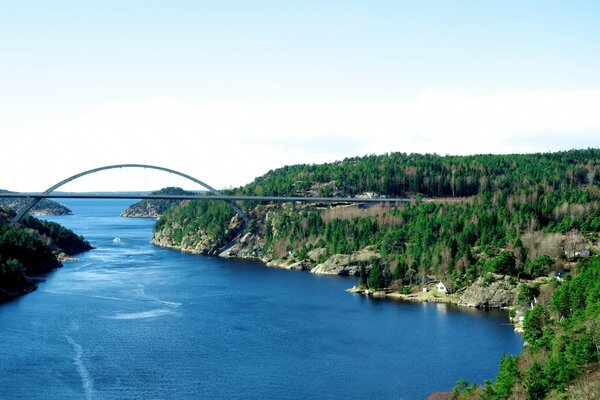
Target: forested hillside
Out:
[30,248]
[504,224]
[400,174]
[562,333]
[517,208]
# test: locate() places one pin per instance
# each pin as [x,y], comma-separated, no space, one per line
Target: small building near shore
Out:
[581,253]
[559,275]
[441,288]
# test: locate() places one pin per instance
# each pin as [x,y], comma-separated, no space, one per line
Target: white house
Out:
[583,253]
[441,288]
[578,253]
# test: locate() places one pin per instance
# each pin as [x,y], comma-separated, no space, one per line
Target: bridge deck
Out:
[37,195]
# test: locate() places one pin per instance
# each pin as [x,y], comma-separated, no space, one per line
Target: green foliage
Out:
[398,174]
[559,350]
[62,239]
[158,206]
[363,277]
[508,373]
[527,293]
[579,298]
[536,383]
[564,346]
[539,267]
[12,277]
[511,194]
[377,276]
[533,326]
[29,248]
[487,279]
[192,217]
[504,263]
[25,247]
[463,390]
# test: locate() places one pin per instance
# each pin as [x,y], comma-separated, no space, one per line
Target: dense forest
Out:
[521,215]
[472,219]
[400,174]
[30,248]
[562,332]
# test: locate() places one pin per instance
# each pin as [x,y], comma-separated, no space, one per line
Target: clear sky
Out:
[226,90]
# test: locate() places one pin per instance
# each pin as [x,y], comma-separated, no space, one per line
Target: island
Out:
[154,208]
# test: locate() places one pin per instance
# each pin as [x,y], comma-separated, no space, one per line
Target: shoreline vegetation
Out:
[30,249]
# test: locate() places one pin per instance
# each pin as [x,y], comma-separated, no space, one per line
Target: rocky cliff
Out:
[238,241]
[347,264]
[490,291]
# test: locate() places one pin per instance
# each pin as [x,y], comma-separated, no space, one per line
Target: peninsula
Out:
[30,249]
[483,231]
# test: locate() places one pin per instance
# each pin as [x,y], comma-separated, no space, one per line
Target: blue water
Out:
[133,321]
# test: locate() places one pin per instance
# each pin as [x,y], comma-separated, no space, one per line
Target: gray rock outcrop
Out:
[346,264]
[493,291]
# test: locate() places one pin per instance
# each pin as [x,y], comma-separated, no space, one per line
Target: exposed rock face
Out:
[496,291]
[49,207]
[196,243]
[139,210]
[199,241]
[246,246]
[346,264]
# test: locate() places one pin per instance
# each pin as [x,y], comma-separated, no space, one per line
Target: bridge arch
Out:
[51,189]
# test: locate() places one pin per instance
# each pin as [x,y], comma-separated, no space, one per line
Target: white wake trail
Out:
[86,380]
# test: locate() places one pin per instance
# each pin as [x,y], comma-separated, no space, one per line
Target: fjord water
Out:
[132,321]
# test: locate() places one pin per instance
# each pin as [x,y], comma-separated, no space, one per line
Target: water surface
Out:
[132,321]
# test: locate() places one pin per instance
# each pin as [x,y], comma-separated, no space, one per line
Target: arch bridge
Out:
[36,197]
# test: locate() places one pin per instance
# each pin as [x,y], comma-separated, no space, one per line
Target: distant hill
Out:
[154,208]
[44,207]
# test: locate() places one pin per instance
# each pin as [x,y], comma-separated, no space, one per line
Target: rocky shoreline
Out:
[492,291]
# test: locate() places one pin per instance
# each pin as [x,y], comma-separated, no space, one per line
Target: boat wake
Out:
[143,314]
[86,380]
[166,308]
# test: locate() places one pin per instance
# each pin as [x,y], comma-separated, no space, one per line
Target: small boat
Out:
[117,240]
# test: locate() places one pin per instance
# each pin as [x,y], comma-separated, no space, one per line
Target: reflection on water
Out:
[130,320]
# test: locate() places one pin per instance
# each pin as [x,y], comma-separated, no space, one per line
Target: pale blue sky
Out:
[119,64]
